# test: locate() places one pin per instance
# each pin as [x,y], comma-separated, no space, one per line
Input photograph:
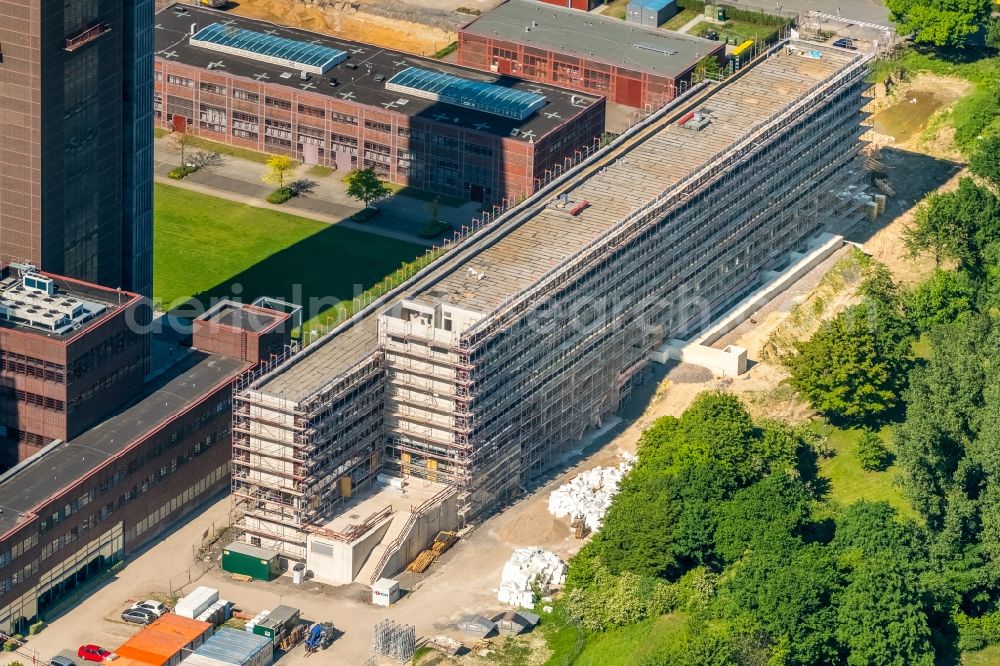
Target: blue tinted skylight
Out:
[302,56]
[478,95]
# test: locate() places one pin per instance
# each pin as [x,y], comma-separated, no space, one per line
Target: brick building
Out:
[582,5]
[68,357]
[347,105]
[76,141]
[77,507]
[629,64]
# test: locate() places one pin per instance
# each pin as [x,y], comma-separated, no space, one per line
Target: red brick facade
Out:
[582,5]
[420,152]
[618,84]
[56,387]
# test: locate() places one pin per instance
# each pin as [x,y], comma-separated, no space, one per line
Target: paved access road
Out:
[871,11]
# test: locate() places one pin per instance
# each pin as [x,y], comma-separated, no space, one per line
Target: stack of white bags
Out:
[528,567]
[589,494]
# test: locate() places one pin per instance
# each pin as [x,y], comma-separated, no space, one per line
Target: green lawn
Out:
[631,645]
[197,143]
[989,656]
[733,31]
[849,482]
[206,248]
[677,21]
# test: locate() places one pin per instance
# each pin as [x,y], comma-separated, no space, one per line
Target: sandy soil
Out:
[414,37]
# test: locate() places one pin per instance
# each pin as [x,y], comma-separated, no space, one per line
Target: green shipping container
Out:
[261,630]
[258,563]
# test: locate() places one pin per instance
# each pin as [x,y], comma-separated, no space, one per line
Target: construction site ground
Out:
[464,580]
[423,28]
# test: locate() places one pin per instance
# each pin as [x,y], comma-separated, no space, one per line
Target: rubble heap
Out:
[588,496]
[527,569]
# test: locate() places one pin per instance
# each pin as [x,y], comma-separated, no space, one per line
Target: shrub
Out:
[280,195]
[872,454]
[364,214]
[36,627]
[434,229]
[181,172]
[446,51]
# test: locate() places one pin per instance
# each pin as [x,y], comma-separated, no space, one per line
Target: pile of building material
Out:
[197,602]
[527,568]
[587,497]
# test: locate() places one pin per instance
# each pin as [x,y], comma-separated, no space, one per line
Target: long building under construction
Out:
[480,369]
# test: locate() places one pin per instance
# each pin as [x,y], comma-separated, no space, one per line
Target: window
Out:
[312,111]
[377,126]
[212,88]
[343,118]
[213,118]
[245,95]
[245,125]
[476,149]
[277,103]
[180,81]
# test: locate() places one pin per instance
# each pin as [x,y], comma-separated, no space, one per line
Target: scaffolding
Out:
[398,641]
[491,363]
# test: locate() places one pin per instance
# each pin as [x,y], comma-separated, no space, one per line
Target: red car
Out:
[95,653]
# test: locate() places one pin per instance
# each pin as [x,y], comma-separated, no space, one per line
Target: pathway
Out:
[692,23]
[383,225]
[240,180]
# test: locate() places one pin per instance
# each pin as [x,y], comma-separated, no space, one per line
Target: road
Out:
[871,11]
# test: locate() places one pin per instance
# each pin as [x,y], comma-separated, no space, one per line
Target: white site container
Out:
[197,602]
[385,592]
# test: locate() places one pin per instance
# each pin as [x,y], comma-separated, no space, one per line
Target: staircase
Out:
[399,529]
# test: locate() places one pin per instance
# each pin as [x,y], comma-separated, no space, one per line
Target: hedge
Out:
[744,15]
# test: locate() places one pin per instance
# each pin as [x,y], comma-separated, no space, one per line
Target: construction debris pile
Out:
[587,497]
[526,569]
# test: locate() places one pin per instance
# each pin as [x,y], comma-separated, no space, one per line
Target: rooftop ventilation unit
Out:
[658,49]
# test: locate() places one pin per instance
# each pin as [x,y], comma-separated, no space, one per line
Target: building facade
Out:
[629,64]
[351,117]
[79,506]
[76,139]
[481,370]
[70,355]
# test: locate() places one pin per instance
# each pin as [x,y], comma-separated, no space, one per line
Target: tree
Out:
[278,168]
[947,23]
[941,299]
[944,404]
[993,33]
[956,225]
[707,68]
[872,453]
[881,619]
[985,159]
[181,142]
[365,186]
[854,367]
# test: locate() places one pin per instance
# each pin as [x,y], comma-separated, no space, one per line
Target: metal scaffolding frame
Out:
[490,405]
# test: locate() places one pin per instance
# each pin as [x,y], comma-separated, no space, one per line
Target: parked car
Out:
[845,43]
[138,616]
[154,607]
[60,660]
[95,653]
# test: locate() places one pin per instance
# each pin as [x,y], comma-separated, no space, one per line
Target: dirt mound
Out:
[343,20]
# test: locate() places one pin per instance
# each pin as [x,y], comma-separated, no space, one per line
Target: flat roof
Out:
[160,641]
[363,76]
[232,647]
[593,37]
[33,482]
[516,255]
[243,316]
[79,305]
